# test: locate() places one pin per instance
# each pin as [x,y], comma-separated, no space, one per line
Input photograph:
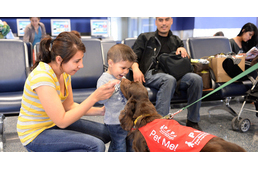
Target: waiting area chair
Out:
[199,47]
[84,81]
[14,69]
[36,50]
[30,53]
[129,41]
[106,45]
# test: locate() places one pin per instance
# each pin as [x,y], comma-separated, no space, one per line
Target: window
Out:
[138,25]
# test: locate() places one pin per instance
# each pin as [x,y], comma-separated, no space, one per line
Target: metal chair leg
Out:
[225,107]
[2,117]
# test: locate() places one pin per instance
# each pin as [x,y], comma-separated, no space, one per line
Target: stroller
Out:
[244,124]
[232,69]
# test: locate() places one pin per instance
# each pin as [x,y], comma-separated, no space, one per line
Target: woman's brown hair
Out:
[65,45]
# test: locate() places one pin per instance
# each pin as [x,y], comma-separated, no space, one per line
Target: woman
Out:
[245,40]
[49,119]
[35,31]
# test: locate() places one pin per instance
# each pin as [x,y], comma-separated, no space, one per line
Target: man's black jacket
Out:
[147,47]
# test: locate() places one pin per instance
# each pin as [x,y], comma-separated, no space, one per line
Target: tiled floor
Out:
[218,123]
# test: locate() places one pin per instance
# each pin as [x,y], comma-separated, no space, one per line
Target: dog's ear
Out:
[126,115]
[125,88]
[127,93]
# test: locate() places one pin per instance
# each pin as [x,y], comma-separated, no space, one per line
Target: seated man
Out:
[152,44]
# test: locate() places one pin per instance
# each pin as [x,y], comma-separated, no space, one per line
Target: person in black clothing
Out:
[152,44]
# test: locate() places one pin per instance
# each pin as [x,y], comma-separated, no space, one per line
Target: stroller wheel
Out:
[244,125]
[234,123]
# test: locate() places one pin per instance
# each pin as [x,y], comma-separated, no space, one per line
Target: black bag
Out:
[175,65]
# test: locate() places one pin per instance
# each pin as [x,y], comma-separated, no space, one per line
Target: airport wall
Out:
[184,27]
[81,24]
[230,26]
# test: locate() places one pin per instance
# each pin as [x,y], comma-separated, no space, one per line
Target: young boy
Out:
[120,58]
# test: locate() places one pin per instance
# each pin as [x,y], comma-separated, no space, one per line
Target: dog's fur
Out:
[139,104]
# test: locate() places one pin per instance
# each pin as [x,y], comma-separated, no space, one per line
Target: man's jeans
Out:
[82,135]
[166,85]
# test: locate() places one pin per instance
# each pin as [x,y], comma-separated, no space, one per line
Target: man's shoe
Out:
[193,125]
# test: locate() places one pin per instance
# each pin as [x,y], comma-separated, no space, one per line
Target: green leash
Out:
[246,72]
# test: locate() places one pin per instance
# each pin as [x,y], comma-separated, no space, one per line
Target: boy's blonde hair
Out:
[121,52]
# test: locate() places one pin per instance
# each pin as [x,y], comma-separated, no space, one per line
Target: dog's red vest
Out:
[164,135]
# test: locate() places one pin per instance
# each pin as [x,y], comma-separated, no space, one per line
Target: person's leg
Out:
[129,144]
[118,138]
[95,129]
[62,140]
[233,69]
[192,83]
[166,85]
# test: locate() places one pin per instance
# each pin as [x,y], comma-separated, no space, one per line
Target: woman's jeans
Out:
[166,85]
[81,136]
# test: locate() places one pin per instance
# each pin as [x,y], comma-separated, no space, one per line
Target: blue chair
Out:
[36,50]
[185,45]
[106,45]
[14,70]
[129,41]
[84,81]
[199,47]
[30,53]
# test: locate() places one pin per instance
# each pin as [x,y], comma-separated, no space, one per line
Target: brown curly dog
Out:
[139,112]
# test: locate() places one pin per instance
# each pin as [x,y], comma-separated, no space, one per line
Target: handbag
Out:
[203,70]
[175,65]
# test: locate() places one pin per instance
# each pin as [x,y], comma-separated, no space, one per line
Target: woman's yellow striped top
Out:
[33,119]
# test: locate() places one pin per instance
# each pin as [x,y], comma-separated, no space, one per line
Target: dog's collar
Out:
[135,121]
[144,115]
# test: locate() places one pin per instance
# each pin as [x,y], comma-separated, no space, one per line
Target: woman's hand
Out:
[241,54]
[102,111]
[105,91]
